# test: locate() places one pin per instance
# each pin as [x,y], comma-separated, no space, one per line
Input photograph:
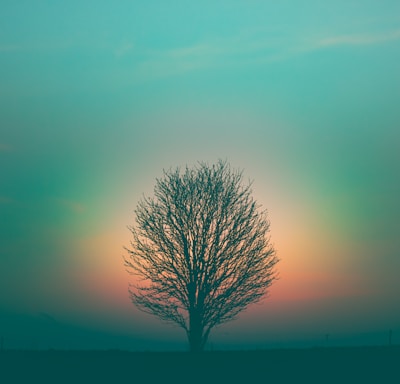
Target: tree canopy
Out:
[200,251]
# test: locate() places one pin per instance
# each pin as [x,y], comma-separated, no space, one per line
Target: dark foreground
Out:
[317,365]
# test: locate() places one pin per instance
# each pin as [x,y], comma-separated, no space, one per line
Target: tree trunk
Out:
[195,341]
[195,333]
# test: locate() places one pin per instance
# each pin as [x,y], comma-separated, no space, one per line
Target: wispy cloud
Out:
[219,53]
[9,48]
[124,49]
[6,200]
[5,147]
[71,205]
[249,49]
[359,39]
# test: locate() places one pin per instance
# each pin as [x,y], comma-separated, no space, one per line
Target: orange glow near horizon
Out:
[312,266]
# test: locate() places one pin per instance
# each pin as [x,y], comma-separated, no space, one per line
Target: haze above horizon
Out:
[97,98]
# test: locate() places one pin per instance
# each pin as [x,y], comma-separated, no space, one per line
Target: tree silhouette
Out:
[200,250]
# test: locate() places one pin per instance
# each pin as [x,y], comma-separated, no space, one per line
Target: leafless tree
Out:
[200,250]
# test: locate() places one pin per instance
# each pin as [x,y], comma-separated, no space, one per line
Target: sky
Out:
[97,98]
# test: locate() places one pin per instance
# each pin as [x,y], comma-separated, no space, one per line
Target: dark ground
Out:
[315,365]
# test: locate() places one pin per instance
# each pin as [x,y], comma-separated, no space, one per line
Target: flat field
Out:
[314,365]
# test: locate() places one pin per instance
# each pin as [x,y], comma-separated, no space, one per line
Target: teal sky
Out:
[97,98]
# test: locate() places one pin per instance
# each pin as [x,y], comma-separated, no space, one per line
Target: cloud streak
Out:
[6,200]
[5,147]
[247,49]
[359,39]
[71,205]
[9,48]
[124,49]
